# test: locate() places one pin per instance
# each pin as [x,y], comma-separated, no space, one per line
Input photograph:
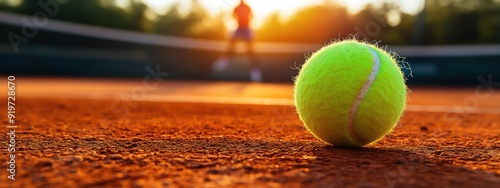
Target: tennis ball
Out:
[350,93]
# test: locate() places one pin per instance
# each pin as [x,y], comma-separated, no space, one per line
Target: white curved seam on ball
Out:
[361,95]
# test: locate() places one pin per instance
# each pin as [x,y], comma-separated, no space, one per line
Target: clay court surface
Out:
[123,133]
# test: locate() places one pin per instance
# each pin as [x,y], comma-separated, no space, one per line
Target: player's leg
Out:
[255,73]
[230,47]
[221,63]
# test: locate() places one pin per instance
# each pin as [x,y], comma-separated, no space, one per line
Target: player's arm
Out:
[235,15]
[250,14]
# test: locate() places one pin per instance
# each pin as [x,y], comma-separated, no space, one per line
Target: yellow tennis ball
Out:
[350,93]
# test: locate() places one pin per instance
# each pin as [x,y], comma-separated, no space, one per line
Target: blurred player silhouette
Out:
[243,15]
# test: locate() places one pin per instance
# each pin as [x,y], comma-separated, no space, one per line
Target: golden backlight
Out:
[264,8]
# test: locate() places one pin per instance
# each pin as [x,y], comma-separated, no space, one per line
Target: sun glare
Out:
[261,8]
[264,8]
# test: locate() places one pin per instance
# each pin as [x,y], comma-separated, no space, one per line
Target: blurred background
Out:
[446,42]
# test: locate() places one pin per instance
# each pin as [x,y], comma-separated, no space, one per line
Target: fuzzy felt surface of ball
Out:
[350,93]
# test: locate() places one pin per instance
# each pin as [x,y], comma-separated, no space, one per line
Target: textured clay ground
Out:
[98,143]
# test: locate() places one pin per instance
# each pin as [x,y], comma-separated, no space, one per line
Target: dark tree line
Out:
[441,21]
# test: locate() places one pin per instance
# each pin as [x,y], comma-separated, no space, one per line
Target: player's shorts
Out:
[243,33]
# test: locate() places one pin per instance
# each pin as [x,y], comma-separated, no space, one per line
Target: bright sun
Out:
[263,8]
[260,8]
